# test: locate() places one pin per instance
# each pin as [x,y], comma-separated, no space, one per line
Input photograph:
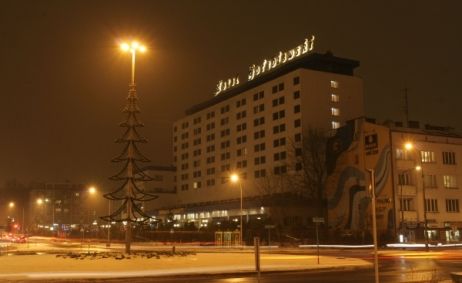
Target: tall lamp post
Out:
[410,146]
[12,205]
[235,179]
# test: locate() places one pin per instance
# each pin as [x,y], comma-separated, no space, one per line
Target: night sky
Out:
[64,81]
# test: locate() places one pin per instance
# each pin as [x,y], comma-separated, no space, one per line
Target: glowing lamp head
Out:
[39,201]
[11,204]
[124,47]
[418,168]
[142,48]
[135,45]
[408,146]
[92,190]
[234,178]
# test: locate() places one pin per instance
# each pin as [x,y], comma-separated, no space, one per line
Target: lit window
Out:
[427,156]
[335,111]
[333,84]
[334,98]
[335,125]
[196,185]
[449,181]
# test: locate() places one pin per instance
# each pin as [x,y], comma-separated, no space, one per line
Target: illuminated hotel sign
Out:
[269,64]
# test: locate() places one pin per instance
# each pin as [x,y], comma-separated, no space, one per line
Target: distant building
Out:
[60,206]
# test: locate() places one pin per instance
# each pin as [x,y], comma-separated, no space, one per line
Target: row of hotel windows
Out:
[242,139]
[431,205]
[334,111]
[427,156]
[260,173]
[242,102]
[429,181]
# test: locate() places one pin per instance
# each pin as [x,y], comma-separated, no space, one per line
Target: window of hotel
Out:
[197,141]
[210,126]
[298,166]
[184,156]
[210,115]
[224,121]
[334,98]
[297,108]
[298,151]
[430,181]
[259,134]
[258,96]
[241,114]
[197,185]
[197,120]
[197,152]
[184,145]
[298,137]
[452,205]
[175,138]
[279,115]
[449,182]
[280,156]
[259,108]
[407,204]
[225,144]
[225,156]
[449,157]
[296,80]
[335,125]
[278,101]
[225,167]
[279,128]
[259,147]
[184,187]
[196,174]
[196,163]
[184,166]
[427,156]
[258,121]
[333,84]
[242,139]
[335,111]
[260,160]
[241,127]
[280,170]
[241,151]
[297,94]
[297,123]
[211,148]
[224,109]
[184,136]
[431,205]
[210,137]
[241,102]
[225,132]
[241,164]
[210,171]
[184,125]
[210,182]
[210,159]
[281,86]
[197,131]
[275,89]
[279,142]
[260,173]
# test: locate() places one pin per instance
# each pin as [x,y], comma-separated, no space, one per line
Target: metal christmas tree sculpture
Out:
[129,193]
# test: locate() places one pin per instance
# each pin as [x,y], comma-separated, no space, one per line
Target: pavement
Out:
[19,264]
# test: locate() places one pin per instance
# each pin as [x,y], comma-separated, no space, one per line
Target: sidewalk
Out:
[46,266]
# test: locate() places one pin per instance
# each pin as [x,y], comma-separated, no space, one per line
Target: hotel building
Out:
[252,127]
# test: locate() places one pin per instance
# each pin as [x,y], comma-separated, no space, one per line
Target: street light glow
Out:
[92,190]
[418,168]
[39,201]
[234,178]
[11,204]
[408,146]
[133,47]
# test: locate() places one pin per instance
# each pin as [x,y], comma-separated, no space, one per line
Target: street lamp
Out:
[133,47]
[410,146]
[12,205]
[235,179]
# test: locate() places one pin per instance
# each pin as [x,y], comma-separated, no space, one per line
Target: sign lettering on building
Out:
[280,58]
[371,144]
